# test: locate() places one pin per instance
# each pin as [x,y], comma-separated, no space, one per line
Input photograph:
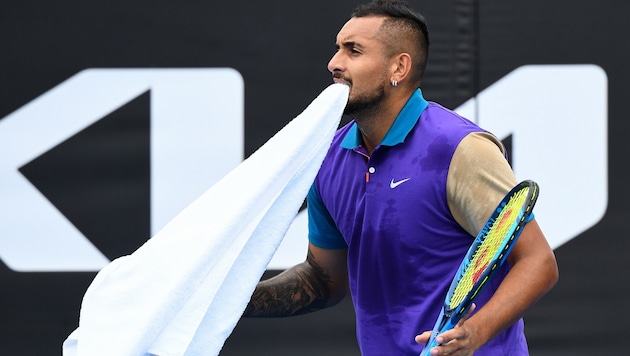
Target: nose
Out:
[335,63]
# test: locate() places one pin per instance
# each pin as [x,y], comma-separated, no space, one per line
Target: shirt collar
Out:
[405,121]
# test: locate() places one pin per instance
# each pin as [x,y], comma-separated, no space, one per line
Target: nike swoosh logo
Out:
[393,184]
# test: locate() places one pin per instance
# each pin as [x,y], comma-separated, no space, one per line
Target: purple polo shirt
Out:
[390,211]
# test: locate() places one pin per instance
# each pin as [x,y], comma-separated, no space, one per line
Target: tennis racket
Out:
[484,257]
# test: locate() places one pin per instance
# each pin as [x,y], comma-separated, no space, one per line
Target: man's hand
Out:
[458,341]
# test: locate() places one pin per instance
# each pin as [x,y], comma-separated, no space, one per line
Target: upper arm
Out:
[331,265]
[327,250]
[322,230]
[478,178]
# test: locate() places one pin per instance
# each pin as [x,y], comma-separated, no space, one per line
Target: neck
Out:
[376,122]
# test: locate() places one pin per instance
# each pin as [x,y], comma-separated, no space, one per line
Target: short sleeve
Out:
[322,230]
[478,178]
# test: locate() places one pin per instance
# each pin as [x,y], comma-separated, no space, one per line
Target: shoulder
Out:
[478,178]
[436,119]
[436,110]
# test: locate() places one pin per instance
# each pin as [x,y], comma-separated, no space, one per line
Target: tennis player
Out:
[402,192]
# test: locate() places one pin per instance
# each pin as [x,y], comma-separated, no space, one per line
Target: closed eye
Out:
[351,47]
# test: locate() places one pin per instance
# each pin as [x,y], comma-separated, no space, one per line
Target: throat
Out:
[372,132]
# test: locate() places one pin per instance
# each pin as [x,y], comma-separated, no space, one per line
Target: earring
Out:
[394,83]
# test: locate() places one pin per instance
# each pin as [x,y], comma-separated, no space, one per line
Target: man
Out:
[401,194]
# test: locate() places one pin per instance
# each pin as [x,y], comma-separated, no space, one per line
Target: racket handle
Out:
[427,348]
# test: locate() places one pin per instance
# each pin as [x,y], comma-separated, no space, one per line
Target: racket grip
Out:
[427,348]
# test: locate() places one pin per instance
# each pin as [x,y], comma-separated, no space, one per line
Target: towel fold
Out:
[184,290]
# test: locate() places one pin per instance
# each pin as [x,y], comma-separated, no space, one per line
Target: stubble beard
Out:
[365,105]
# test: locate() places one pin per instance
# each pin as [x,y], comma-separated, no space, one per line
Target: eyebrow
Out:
[350,44]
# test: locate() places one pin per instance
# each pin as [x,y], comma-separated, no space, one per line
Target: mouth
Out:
[338,79]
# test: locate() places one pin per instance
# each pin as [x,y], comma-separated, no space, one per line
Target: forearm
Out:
[527,282]
[298,290]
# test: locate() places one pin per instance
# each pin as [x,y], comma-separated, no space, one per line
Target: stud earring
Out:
[394,83]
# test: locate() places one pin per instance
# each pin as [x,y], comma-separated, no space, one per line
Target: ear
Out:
[400,67]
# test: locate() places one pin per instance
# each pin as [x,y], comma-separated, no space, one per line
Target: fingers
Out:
[423,338]
[452,342]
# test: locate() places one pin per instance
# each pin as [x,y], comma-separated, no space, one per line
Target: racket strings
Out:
[492,240]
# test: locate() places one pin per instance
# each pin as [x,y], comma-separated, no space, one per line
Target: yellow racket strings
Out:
[488,248]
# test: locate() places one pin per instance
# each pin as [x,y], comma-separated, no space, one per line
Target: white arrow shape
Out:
[196,113]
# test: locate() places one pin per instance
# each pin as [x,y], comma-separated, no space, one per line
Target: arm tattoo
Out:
[299,290]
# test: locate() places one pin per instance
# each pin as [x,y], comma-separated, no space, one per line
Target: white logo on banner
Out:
[558,118]
[196,138]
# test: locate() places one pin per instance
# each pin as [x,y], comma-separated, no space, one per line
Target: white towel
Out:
[184,290]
